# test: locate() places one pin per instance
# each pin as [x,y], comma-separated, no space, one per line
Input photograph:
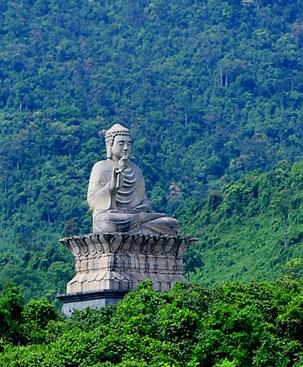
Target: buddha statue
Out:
[116,192]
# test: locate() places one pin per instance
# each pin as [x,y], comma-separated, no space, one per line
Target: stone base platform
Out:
[80,301]
[113,264]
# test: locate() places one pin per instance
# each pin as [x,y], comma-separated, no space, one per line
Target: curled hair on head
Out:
[110,134]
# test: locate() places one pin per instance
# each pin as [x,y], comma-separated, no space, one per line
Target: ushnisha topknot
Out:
[114,131]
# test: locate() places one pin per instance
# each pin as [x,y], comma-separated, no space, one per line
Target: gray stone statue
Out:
[116,192]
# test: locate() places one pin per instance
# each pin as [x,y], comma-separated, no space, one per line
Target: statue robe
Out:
[118,211]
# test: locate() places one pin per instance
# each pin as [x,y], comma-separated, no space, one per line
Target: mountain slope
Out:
[211,90]
[252,230]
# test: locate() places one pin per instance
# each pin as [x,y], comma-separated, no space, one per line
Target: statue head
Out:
[112,136]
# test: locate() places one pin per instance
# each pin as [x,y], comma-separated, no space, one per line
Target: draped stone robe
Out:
[120,211]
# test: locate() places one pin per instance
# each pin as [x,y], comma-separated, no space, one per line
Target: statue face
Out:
[121,147]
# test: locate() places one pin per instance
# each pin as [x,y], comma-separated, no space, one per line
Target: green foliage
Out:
[176,324]
[292,320]
[250,230]
[294,268]
[231,325]
[39,322]
[88,318]
[211,90]
[11,303]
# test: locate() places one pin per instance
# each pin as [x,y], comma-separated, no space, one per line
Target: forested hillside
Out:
[212,91]
[250,230]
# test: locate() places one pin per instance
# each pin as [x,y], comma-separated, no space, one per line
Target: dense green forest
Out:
[233,325]
[212,91]
[251,230]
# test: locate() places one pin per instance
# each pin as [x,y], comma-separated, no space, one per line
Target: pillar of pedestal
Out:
[109,265]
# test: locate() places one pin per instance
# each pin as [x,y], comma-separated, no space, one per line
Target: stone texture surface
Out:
[119,261]
[130,242]
[80,301]
[116,192]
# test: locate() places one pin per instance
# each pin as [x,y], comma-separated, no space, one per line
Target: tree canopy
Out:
[257,324]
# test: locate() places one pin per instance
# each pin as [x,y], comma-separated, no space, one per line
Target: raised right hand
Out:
[113,181]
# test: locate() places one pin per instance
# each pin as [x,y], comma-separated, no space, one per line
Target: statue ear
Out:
[108,151]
